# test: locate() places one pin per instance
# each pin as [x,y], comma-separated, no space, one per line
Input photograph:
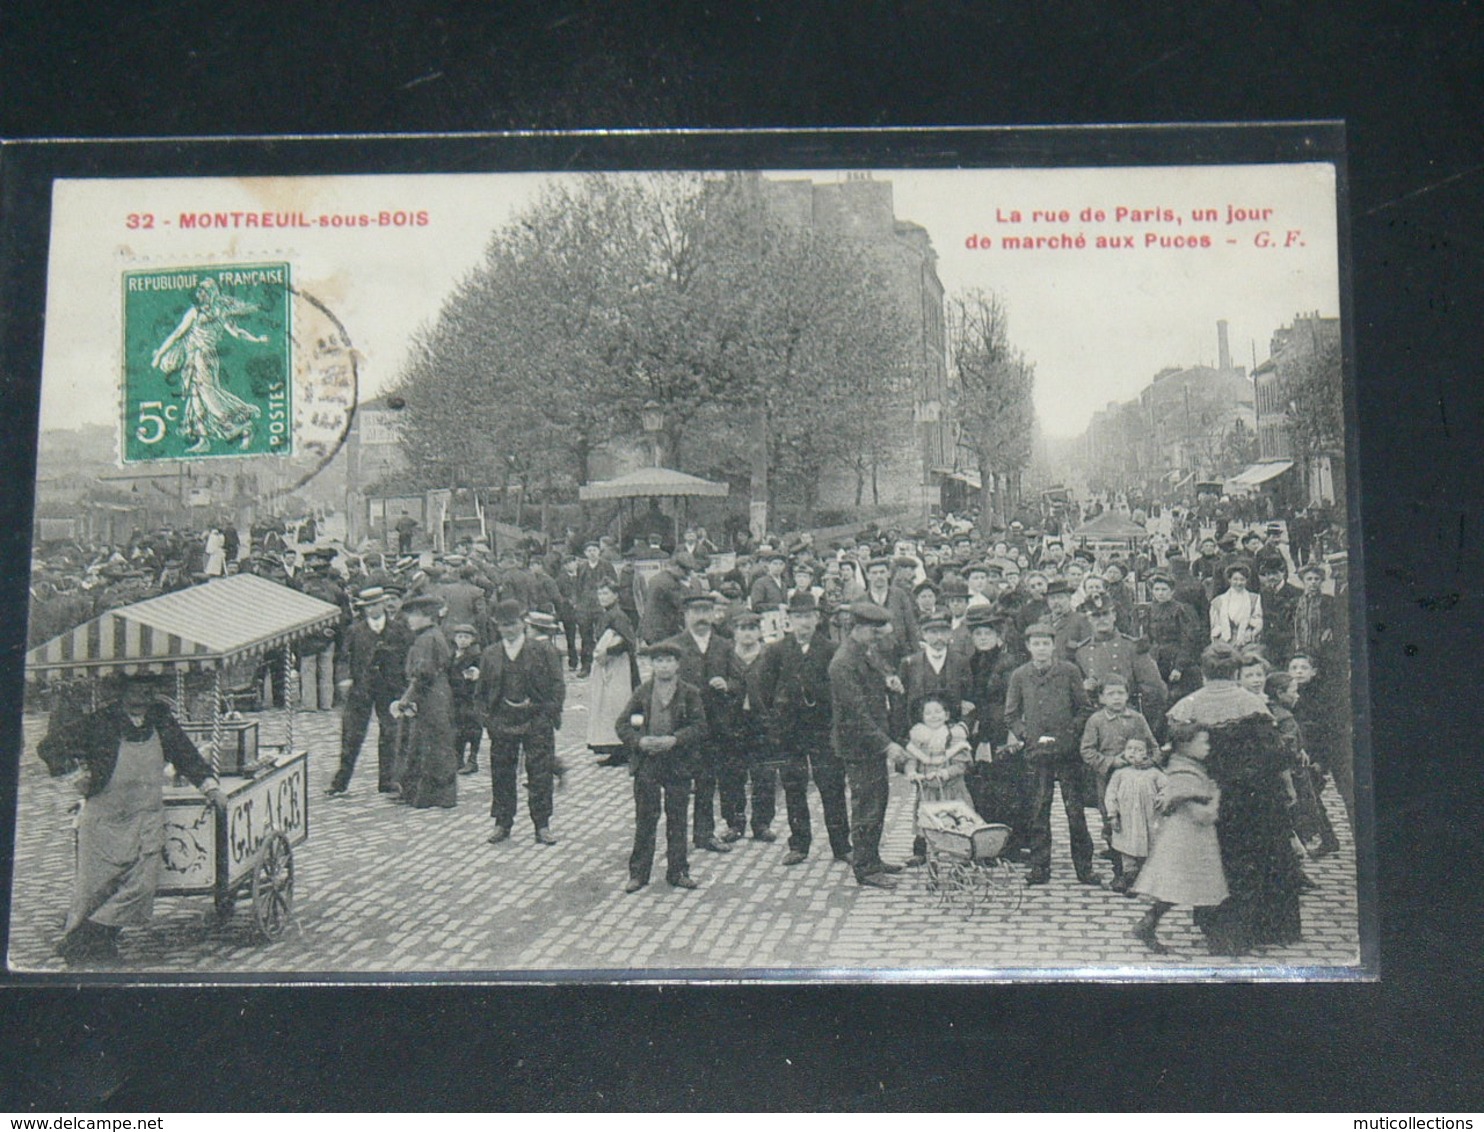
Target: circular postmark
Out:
[235,359]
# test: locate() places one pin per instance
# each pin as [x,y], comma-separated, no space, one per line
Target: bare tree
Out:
[996,385]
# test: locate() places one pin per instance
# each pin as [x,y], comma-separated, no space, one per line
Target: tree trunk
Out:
[875,483]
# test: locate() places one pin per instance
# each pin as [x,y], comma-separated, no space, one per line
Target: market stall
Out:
[200,637]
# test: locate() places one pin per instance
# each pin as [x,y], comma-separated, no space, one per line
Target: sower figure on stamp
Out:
[376,646]
[794,695]
[663,724]
[860,731]
[522,691]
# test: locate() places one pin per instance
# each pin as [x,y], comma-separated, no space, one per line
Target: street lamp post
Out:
[653,418]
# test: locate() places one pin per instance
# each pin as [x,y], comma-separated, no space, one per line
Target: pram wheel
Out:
[1002,883]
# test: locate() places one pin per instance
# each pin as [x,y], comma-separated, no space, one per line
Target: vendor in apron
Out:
[116,757]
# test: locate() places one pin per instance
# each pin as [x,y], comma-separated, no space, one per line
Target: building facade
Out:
[1293,352]
[861,209]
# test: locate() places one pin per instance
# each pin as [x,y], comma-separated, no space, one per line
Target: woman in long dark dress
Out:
[426,710]
[1247,762]
[997,779]
[615,676]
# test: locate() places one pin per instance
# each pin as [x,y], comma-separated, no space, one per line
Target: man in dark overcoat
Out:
[376,659]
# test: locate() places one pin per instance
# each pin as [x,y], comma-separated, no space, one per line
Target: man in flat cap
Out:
[376,658]
[737,729]
[900,639]
[664,599]
[767,594]
[794,695]
[593,571]
[860,731]
[704,665]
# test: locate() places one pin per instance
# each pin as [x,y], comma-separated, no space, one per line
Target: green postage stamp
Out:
[207,362]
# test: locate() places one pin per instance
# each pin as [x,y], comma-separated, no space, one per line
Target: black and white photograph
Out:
[768,573]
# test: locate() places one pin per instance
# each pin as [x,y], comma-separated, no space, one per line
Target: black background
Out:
[1407,79]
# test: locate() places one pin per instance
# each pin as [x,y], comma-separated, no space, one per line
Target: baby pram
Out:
[964,868]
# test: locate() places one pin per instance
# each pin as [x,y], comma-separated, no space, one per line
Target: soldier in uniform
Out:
[376,660]
[860,724]
[793,688]
[1108,651]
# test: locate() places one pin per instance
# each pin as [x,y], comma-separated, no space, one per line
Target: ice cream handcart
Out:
[214,640]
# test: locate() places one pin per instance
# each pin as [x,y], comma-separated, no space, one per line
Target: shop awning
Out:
[664,482]
[962,475]
[196,628]
[1258,474]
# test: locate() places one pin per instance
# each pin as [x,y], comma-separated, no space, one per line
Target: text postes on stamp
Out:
[208,362]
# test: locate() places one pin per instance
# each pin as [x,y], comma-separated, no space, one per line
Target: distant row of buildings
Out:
[1194,427]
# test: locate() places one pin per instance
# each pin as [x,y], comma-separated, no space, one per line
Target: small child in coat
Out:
[1184,866]
[938,754]
[1131,801]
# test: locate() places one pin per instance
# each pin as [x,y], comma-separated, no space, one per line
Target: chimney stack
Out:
[1223,350]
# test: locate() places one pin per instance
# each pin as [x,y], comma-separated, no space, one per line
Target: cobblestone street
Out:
[384,889]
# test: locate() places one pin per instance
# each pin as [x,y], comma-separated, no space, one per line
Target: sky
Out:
[1097,322]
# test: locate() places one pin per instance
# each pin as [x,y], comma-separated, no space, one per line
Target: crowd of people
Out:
[1189,687]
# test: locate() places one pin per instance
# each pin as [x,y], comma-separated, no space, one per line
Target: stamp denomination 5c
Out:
[208,362]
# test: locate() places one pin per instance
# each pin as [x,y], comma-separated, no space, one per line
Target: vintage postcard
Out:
[939,569]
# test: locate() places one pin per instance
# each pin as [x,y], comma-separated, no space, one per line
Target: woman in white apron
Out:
[117,756]
[615,676]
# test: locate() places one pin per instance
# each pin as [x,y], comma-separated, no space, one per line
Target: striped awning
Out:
[191,629]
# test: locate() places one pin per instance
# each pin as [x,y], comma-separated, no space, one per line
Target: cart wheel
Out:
[273,886]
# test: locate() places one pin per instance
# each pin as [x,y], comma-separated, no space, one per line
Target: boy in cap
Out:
[663,724]
[463,679]
[1045,706]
